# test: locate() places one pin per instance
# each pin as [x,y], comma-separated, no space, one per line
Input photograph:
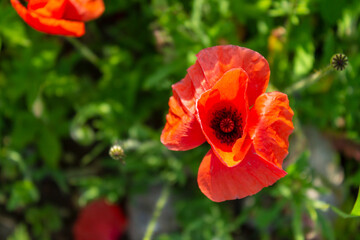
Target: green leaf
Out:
[22,193]
[331,10]
[44,221]
[304,59]
[25,128]
[20,233]
[49,148]
[325,206]
[341,213]
[356,210]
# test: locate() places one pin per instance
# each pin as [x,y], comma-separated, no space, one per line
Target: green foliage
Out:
[20,233]
[22,193]
[43,221]
[65,101]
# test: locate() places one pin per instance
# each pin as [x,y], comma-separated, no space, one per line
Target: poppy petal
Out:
[212,63]
[49,25]
[220,183]
[182,130]
[198,80]
[227,95]
[186,91]
[52,8]
[36,4]
[191,87]
[269,126]
[215,61]
[109,226]
[84,10]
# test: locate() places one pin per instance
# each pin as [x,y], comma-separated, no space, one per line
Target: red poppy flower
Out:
[100,221]
[222,100]
[61,17]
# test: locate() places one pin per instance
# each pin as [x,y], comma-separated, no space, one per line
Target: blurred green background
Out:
[64,102]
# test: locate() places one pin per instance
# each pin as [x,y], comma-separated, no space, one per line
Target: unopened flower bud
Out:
[339,61]
[116,152]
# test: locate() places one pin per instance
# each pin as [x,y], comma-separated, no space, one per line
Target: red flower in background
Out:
[100,221]
[222,100]
[61,17]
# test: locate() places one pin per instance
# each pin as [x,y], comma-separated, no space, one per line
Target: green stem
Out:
[160,204]
[96,151]
[0,44]
[308,81]
[85,51]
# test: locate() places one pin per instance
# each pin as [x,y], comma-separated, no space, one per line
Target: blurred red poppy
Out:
[60,17]
[222,100]
[100,221]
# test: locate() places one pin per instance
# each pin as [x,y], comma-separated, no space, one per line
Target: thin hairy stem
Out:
[85,51]
[160,204]
[308,81]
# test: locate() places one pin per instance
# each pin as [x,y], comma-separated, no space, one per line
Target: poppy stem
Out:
[85,51]
[308,81]
[160,204]
[96,151]
[0,45]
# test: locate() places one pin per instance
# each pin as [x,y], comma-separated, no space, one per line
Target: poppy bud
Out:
[339,61]
[116,152]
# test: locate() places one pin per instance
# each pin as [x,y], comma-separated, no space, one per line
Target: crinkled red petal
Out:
[212,63]
[269,126]
[182,130]
[215,61]
[49,25]
[220,183]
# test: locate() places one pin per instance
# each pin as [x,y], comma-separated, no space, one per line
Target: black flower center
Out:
[227,125]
